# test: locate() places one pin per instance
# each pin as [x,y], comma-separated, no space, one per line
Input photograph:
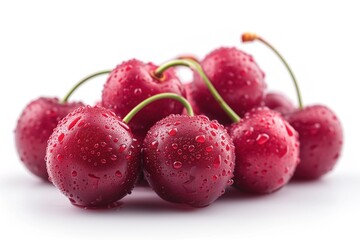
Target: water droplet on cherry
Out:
[172,132]
[209,148]
[217,161]
[61,137]
[177,165]
[137,91]
[200,139]
[281,181]
[73,123]
[191,148]
[154,143]
[288,130]
[118,174]
[262,138]
[122,148]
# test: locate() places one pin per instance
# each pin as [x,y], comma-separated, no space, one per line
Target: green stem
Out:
[67,96]
[159,96]
[251,37]
[197,67]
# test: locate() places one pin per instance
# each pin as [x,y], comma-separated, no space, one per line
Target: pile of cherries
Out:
[145,127]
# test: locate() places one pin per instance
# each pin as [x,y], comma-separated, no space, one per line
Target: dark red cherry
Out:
[132,82]
[188,159]
[237,78]
[33,129]
[267,151]
[92,157]
[321,140]
[320,132]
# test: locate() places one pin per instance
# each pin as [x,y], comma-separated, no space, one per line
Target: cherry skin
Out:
[33,129]
[132,82]
[321,140]
[92,157]
[279,103]
[238,79]
[188,159]
[267,151]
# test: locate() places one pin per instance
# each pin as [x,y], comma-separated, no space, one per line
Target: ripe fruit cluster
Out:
[240,134]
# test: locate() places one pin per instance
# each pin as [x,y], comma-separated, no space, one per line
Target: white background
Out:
[45,47]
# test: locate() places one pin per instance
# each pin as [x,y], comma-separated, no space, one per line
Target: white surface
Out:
[46,47]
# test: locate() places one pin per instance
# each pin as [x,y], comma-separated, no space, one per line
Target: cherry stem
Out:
[66,98]
[189,57]
[197,67]
[249,37]
[156,97]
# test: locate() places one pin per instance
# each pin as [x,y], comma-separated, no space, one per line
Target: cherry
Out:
[321,140]
[238,79]
[281,152]
[132,82]
[266,149]
[279,103]
[319,129]
[187,159]
[92,157]
[33,129]
[35,125]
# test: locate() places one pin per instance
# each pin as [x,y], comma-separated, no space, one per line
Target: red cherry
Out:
[188,159]
[132,82]
[321,140]
[36,124]
[267,151]
[279,103]
[319,129]
[33,129]
[92,157]
[238,79]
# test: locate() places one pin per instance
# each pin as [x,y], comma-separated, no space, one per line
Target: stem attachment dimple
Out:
[249,37]
[67,96]
[197,67]
[159,96]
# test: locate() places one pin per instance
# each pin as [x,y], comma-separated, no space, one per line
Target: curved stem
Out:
[248,37]
[197,67]
[67,96]
[189,57]
[151,99]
